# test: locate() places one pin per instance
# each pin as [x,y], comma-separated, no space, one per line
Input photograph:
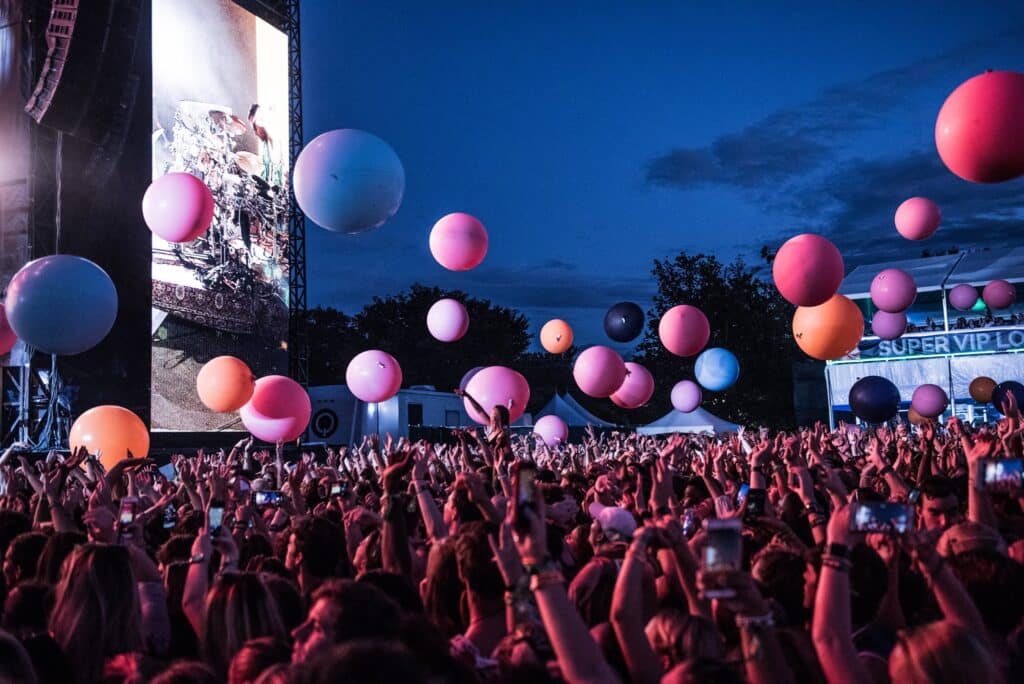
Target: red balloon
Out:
[684,330]
[807,270]
[979,132]
[999,294]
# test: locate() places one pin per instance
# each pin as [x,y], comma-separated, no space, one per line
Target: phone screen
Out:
[266,498]
[741,494]
[216,518]
[1003,474]
[757,501]
[126,513]
[881,516]
[170,516]
[722,553]
[526,492]
[337,489]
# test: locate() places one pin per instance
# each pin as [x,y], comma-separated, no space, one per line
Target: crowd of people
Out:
[849,555]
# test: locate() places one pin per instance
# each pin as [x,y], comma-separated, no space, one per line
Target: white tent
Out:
[697,421]
[569,410]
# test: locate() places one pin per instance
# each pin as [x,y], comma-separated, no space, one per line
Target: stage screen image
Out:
[220,112]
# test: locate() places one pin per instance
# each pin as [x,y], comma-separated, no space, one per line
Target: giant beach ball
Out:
[8,338]
[225,384]
[373,375]
[348,181]
[1002,392]
[893,290]
[556,336]
[552,429]
[917,218]
[636,390]
[61,304]
[178,207]
[916,418]
[829,331]
[686,396]
[963,297]
[874,399]
[981,389]
[979,131]
[888,326]
[684,330]
[447,320]
[278,411]
[599,371]
[112,432]
[624,321]
[458,242]
[999,294]
[929,400]
[497,386]
[807,270]
[716,369]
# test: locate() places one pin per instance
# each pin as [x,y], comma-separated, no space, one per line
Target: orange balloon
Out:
[111,432]
[981,389]
[916,418]
[828,331]
[556,336]
[225,384]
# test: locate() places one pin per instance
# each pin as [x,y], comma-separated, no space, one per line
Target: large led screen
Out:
[220,112]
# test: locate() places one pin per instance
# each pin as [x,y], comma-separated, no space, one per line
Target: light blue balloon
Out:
[348,181]
[717,369]
[61,304]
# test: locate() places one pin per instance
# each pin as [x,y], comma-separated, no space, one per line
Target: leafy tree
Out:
[747,316]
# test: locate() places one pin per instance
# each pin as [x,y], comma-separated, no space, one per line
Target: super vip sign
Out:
[966,342]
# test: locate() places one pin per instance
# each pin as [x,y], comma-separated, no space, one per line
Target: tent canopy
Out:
[928,273]
[696,421]
[978,268]
[569,410]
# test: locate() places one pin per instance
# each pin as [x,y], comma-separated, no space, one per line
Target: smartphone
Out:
[267,497]
[525,493]
[757,502]
[170,516]
[216,517]
[339,489]
[689,522]
[126,513]
[741,494]
[881,516]
[1000,474]
[723,552]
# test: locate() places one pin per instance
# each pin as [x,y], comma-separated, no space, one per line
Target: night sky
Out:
[592,137]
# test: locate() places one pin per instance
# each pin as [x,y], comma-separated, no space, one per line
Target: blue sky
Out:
[593,137]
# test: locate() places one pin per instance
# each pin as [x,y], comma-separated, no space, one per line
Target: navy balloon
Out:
[874,399]
[1003,390]
[61,304]
[717,369]
[464,382]
[624,321]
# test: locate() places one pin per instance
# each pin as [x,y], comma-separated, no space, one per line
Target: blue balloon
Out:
[348,181]
[61,304]
[874,399]
[717,369]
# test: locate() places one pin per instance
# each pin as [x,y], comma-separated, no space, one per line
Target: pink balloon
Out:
[278,411]
[178,207]
[888,326]
[636,390]
[929,400]
[893,290]
[999,294]
[459,242]
[918,218]
[447,320]
[807,270]
[498,386]
[7,335]
[552,430]
[684,330]
[686,396]
[599,371]
[963,297]
[373,376]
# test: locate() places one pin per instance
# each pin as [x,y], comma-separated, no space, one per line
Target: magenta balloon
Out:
[929,400]
[373,376]
[686,396]
[278,411]
[464,382]
[552,430]
[636,390]
[999,294]
[918,218]
[178,207]
[893,290]
[963,297]
[7,335]
[599,371]
[888,326]
[684,330]
[459,242]
[498,386]
[447,320]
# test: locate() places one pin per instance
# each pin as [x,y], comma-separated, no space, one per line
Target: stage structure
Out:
[84,71]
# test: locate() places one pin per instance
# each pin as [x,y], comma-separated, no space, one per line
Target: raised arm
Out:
[433,519]
[626,616]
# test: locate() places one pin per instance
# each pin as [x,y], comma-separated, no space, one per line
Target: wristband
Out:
[837,550]
[746,622]
[837,564]
[546,579]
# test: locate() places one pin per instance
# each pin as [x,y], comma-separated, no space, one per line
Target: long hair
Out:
[441,589]
[97,612]
[239,607]
[941,652]
[676,636]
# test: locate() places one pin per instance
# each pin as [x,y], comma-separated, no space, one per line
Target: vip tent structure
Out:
[569,410]
[700,420]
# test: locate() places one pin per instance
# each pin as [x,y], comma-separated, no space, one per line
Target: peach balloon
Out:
[111,432]
[556,336]
[807,270]
[225,384]
[829,331]
[684,330]
[459,242]
[917,218]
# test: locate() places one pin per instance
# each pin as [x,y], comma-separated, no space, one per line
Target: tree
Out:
[747,316]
